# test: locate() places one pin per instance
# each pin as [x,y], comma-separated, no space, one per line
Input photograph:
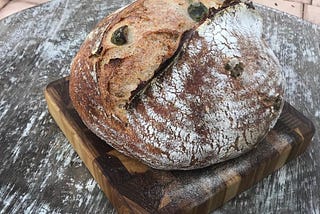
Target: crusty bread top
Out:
[152,38]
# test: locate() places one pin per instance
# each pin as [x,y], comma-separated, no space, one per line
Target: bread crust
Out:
[218,99]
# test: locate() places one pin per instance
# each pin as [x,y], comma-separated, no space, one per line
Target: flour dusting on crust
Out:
[197,113]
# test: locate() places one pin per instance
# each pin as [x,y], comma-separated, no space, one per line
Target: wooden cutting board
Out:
[133,187]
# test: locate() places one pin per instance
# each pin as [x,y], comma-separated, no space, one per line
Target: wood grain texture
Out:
[40,171]
[133,187]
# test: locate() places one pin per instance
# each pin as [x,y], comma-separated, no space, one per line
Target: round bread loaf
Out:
[184,90]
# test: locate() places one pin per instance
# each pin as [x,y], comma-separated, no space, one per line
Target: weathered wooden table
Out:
[40,171]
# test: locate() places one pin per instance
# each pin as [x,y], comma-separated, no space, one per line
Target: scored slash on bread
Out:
[178,84]
[122,69]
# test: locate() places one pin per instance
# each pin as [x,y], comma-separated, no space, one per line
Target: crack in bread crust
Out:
[151,41]
[124,75]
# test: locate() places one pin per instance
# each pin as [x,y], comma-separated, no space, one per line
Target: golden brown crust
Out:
[121,69]
[121,76]
[154,30]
